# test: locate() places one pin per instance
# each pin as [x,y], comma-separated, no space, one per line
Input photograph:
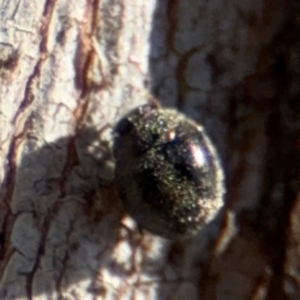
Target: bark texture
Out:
[70,69]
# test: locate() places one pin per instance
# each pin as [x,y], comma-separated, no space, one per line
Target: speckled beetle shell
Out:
[167,172]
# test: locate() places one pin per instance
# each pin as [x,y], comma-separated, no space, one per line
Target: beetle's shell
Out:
[168,173]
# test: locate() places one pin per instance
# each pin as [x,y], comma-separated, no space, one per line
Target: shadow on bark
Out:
[72,233]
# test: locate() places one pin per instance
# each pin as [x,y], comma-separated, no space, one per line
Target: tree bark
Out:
[69,70]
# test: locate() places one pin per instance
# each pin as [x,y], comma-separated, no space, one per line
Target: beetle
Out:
[168,173]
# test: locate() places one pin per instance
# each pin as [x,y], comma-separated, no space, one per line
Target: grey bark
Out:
[69,70]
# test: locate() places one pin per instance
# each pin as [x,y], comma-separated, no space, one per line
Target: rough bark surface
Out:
[70,69]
